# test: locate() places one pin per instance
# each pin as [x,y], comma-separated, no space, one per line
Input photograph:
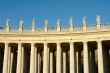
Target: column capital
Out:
[85,41]
[71,42]
[99,41]
[32,43]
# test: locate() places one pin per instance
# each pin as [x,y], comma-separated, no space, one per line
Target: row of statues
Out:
[57,24]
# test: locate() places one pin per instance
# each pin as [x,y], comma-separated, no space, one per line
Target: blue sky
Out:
[52,10]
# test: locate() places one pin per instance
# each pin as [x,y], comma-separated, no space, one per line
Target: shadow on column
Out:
[52,57]
[2,45]
[65,57]
[79,57]
[40,47]
[26,48]
[93,60]
[106,55]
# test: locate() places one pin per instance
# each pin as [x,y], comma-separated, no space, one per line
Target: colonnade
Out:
[54,61]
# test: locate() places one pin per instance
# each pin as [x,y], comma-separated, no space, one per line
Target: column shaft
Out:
[51,62]
[86,58]
[58,60]
[9,59]
[19,58]
[32,59]
[12,55]
[5,63]
[64,62]
[39,63]
[72,59]
[36,60]
[45,59]
[22,61]
[100,58]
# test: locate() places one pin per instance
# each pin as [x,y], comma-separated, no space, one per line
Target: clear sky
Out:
[52,10]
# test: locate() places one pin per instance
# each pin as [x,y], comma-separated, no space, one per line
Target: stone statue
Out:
[33,23]
[98,19]
[21,24]
[58,23]
[71,21]
[8,23]
[84,20]
[46,23]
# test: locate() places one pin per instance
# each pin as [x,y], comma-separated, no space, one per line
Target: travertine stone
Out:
[100,57]
[86,57]
[51,62]
[72,58]
[33,25]
[39,63]
[19,58]
[64,62]
[45,59]
[32,58]
[5,63]
[58,59]
[98,22]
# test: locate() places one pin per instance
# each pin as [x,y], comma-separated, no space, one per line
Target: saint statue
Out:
[46,23]
[33,23]
[21,23]
[58,23]
[8,23]
[71,21]
[84,21]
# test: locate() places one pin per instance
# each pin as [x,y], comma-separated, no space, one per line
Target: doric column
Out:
[72,58]
[64,62]
[100,58]
[36,60]
[86,57]
[39,62]
[32,58]
[58,59]
[22,60]
[45,59]
[51,62]
[12,55]
[5,62]
[78,61]
[9,59]
[19,58]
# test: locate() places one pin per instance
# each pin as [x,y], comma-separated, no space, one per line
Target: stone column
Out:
[51,62]
[12,55]
[45,59]
[39,63]
[64,62]
[77,62]
[100,58]
[19,58]
[72,58]
[58,59]
[5,62]
[22,61]
[86,57]
[36,60]
[9,59]
[32,59]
